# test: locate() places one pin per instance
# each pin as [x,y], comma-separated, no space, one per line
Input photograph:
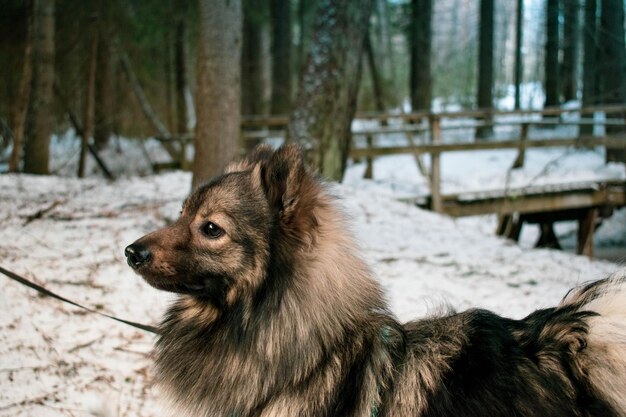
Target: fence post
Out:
[435,165]
[369,170]
[586,227]
[521,154]
[183,155]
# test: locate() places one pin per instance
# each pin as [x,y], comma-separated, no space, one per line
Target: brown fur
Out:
[279,316]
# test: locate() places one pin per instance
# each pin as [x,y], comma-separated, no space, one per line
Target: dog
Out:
[278,315]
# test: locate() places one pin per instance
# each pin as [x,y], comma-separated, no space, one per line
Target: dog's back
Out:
[563,361]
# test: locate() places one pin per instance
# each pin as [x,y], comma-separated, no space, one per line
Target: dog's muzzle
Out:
[137,255]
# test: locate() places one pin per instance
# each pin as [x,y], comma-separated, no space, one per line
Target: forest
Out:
[475,153]
[175,68]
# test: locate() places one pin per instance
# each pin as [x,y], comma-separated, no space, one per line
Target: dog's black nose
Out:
[137,255]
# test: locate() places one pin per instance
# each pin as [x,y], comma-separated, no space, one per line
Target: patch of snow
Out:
[123,156]
[532,97]
[69,234]
[56,360]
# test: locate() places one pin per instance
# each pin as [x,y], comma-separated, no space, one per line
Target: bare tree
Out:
[104,85]
[571,29]
[37,146]
[181,76]
[590,53]
[218,89]
[104,90]
[552,54]
[377,84]
[253,68]
[88,116]
[305,12]
[329,84]
[485,64]
[613,54]
[168,81]
[420,41]
[386,56]
[23,95]
[612,51]
[281,56]
[519,20]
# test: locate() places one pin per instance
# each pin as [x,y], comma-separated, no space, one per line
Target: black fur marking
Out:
[500,370]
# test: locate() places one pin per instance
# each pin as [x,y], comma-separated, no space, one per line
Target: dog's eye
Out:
[212,230]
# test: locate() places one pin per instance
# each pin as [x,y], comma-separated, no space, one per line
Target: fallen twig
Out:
[136,352]
[82,283]
[84,345]
[40,213]
[41,398]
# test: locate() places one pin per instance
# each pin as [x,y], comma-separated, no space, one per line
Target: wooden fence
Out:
[424,135]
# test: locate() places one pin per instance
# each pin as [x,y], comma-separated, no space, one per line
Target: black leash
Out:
[49,293]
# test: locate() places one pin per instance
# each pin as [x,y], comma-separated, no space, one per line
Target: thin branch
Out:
[40,213]
[84,345]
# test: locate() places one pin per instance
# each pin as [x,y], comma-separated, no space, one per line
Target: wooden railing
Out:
[431,126]
[280,122]
[435,148]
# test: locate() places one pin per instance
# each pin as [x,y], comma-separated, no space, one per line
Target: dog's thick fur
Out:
[279,316]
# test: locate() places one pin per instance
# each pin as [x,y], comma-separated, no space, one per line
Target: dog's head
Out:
[228,230]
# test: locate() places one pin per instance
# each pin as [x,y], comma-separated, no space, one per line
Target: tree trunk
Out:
[37,146]
[253,77]
[218,91]
[376,81]
[281,56]
[305,12]
[182,125]
[613,52]
[389,66]
[301,13]
[552,54]
[383,37]
[329,84]
[519,21]
[146,108]
[571,28]
[103,110]
[79,129]
[590,53]
[88,117]
[168,82]
[485,65]
[21,103]
[420,43]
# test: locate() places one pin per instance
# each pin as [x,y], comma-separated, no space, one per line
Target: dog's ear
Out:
[290,188]
[282,176]
[261,153]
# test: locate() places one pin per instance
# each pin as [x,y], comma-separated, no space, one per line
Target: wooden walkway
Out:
[588,203]
[533,199]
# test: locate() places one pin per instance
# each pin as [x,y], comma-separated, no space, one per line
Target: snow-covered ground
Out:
[483,171]
[69,234]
